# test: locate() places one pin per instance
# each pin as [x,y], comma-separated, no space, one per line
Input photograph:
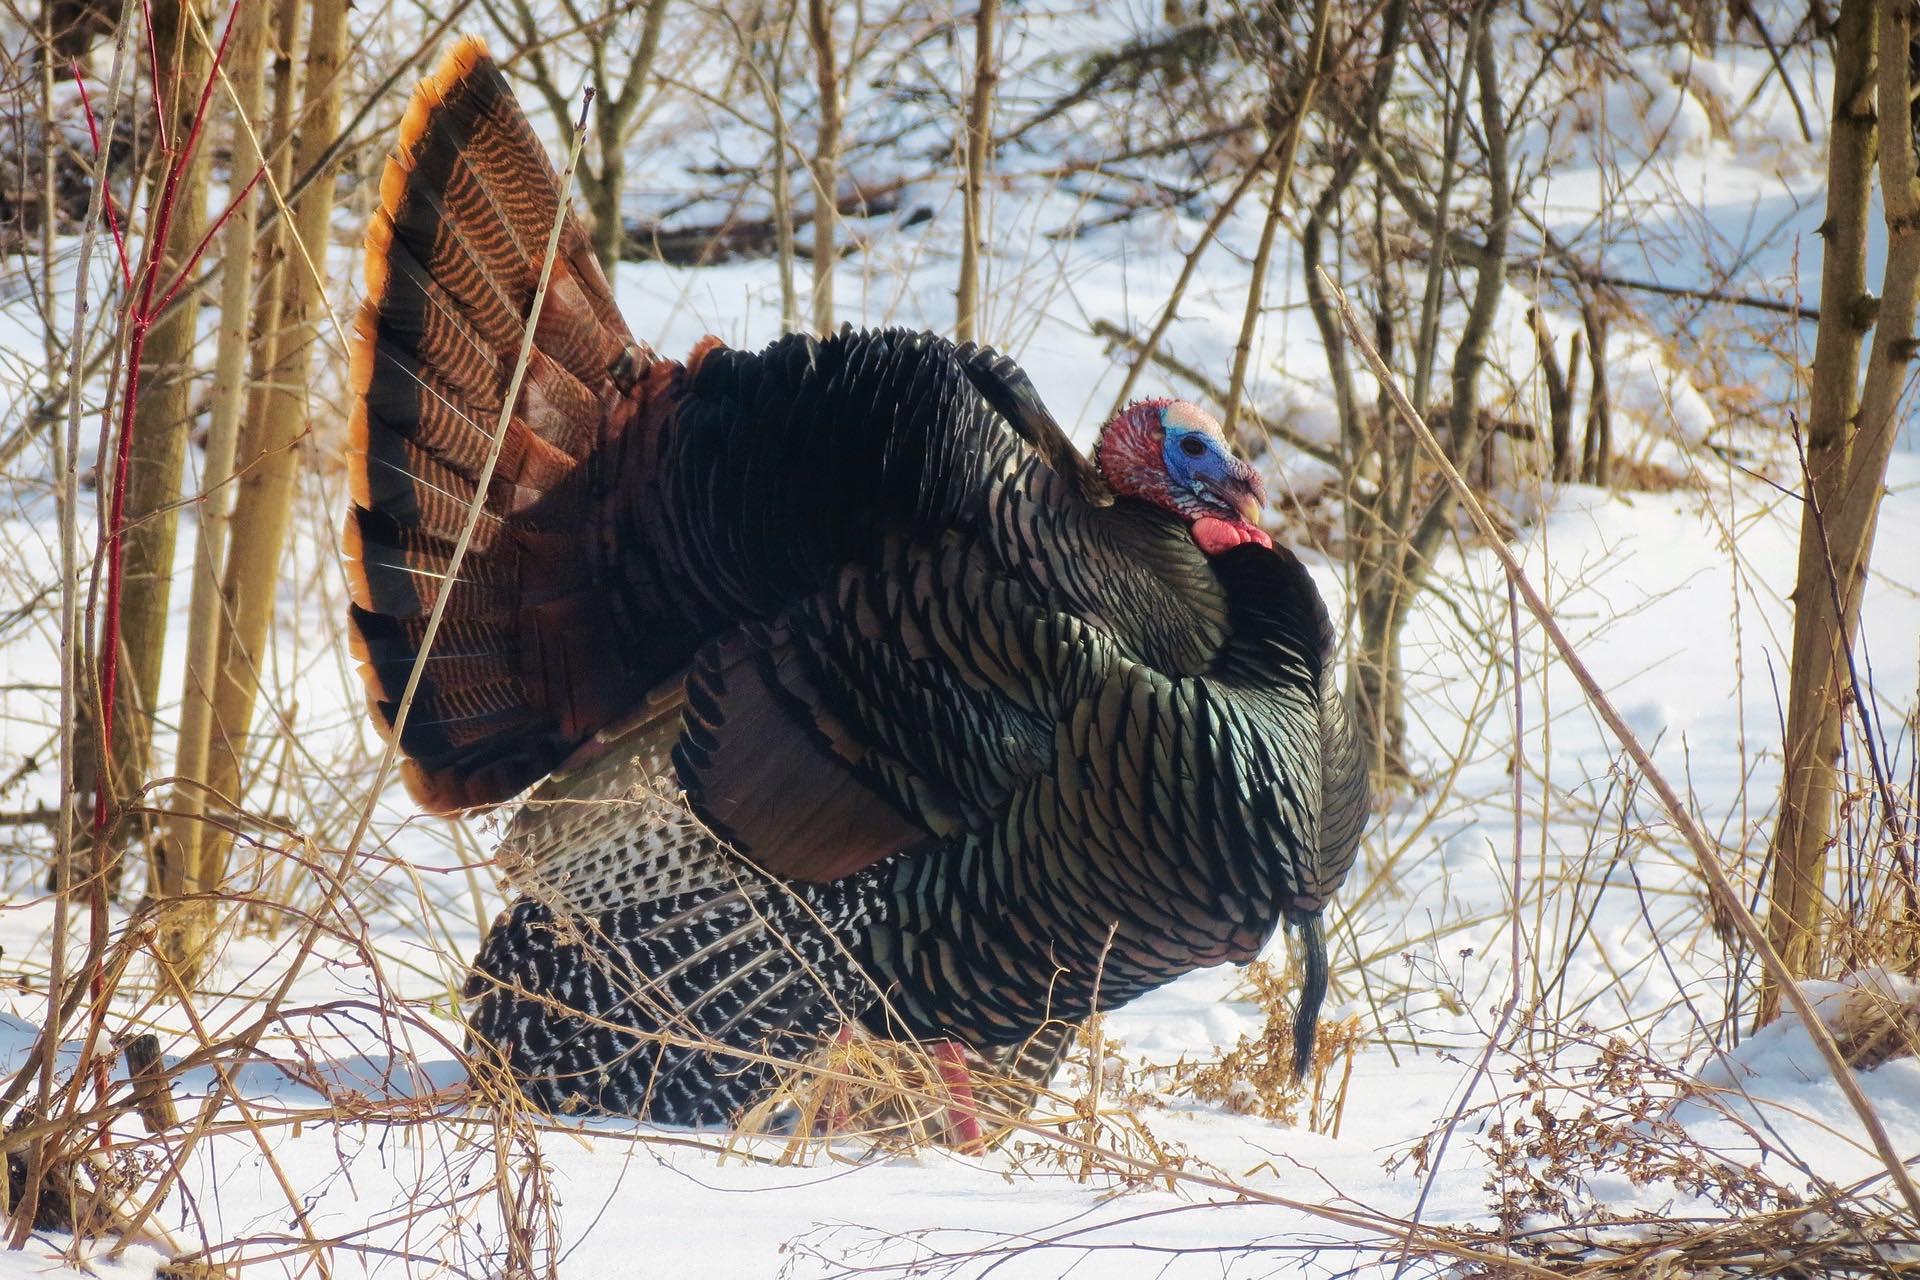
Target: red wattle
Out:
[1214,535]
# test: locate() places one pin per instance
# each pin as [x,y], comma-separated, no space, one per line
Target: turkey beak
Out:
[1251,501]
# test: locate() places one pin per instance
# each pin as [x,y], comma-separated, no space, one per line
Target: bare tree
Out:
[1429,193]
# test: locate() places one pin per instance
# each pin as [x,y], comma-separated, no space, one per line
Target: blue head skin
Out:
[1203,478]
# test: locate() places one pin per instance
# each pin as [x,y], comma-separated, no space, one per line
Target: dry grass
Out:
[1255,1077]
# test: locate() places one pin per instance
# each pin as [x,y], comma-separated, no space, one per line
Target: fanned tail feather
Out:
[521,669]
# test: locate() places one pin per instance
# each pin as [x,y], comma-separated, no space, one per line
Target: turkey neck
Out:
[1130,568]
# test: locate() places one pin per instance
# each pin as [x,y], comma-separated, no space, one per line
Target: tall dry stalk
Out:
[246,71]
[264,498]
[1851,425]
[979,125]
[826,160]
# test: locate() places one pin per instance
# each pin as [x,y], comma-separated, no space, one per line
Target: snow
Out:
[1775,1087]
[1676,600]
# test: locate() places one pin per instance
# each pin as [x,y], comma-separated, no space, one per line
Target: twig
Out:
[1745,9]
[141,318]
[1149,348]
[284,200]
[1580,275]
[1514,923]
[1282,181]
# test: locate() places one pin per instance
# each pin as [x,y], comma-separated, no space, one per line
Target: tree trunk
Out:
[607,232]
[782,209]
[246,67]
[1559,379]
[613,125]
[1849,439]
[1596,456]
[264,500]
[1378,684]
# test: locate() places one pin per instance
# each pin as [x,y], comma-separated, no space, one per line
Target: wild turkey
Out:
[994,735]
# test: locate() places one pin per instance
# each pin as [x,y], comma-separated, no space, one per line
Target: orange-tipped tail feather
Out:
[522,669]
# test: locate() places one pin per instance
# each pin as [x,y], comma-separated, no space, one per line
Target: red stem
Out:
[193,259]
[140,319]
[106,197]
[86,104]
[141,315]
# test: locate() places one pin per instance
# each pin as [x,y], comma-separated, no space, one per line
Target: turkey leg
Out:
[963,1121]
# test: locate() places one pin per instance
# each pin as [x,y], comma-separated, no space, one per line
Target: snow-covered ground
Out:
[1677,600]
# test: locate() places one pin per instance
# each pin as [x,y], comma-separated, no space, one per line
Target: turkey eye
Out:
[1193,446]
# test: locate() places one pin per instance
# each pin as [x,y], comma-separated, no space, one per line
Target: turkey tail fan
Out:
[521,669]
[1313,991]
